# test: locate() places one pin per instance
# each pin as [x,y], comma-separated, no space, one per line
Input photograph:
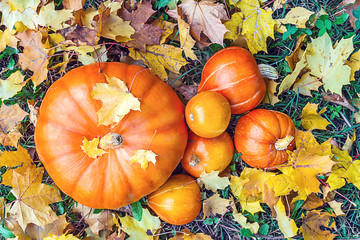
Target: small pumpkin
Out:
[178,201]
[233,72]
[68,114]
[208,114]
[207,154]
[263,136]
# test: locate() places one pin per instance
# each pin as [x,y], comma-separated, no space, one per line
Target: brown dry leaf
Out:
[311,119]
[312,202]
[91,148]
[78,35]
[7,38]
[340,100]
[73,4]
[117,100]
[215,205]
[286,224]
[205,17]
[12,159]
[160,57]
[34,56]
[145,34]
[96,222]
[188,235]
[316,225]
[34,112]
[168,28]
[143,157]
[212,181]
[304,164]
[12,85]
[32,198]
[347,6]
[354,64]
[10,117]
[188,91]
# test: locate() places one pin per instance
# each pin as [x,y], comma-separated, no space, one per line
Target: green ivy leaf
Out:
[137,210]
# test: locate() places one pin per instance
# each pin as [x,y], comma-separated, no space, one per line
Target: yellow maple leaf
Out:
[20,159]
[311,119]
[143,157]
[215,205]
[20,5]
[7,38]
[327,63]
[354,64]
[306,84]
[316,225]
[186,234]
[34,56]
[286,224]
[186,41]
[54,19]
[9,18]
[117,100]
[304,164]
[32,198]
[12,85]
[61,237]
[336,206]
[160,57]
[258,25]
[243,221]
[91,147]
[205,17]
[345,169]
[212,181]
[10,117]
[140,229]
[234,25]
[297,16]
[168,28]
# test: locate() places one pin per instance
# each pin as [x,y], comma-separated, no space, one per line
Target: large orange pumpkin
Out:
[207,154]
[178,201]
[263,136]
[233,72]
[68,114]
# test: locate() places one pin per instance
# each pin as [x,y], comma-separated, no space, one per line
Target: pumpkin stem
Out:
[111,141]
[194,160]
[283,143]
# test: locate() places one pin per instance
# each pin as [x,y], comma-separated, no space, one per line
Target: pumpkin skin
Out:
[263,136]
[178,201]
[207,154]
[233,72]
[208,114]
[68,114]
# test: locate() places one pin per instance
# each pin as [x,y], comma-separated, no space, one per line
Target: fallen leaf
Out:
[12,85]
[234,25]
[306,84]
[311,119]
[16,161]
[53,19]
[186,41]
[349,142]
[340,100]
[7,38]
[9,18]
[160,57]
[278,4]
[327,63]
[62,237]
[212,181]
[32,198]
[312,202]
[243,221]
[297,16]
[354,64]
[78,35]
[205,17]
[168,28]
[298,52]
[336,206]
[143,157]
[18,5]
[117,100]
[215,205]
[10,117]
[34,56]
[286,224]
[258,25]
[73,4]
[348,6]
[316,225]
[188,235]
[96,221]
[270,96]
[143,229]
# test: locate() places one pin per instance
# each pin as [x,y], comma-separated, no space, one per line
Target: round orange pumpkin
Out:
[68,114]
[178,201]
[207,154]
[208,114]
[263,136]
[233,72]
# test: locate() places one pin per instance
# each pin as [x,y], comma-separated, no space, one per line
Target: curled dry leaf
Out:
[340,100]
[286,224]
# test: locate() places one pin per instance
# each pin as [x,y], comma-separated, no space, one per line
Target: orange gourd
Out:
[263,136]
[68,114]
[178,201]
[208,114]
[207,154]
[233,72]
